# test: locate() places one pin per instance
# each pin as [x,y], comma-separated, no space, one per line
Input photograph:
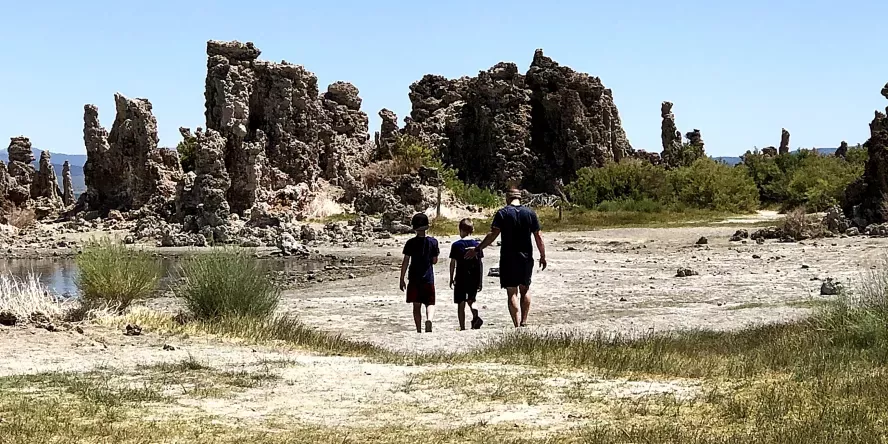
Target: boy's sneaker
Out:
[428,326]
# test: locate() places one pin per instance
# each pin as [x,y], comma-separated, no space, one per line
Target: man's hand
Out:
[403,285]
[543,263]
[471,253]
[451,283]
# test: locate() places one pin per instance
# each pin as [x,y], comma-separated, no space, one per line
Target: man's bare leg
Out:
[461,314]
[417,316]
[525,303]
[512,292]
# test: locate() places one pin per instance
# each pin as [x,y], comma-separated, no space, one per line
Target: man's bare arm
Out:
[452,269]
[494,233]
[541,247]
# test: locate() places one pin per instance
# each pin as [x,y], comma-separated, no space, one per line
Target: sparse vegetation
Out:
[804,178]
[799,225]
[227,282]
[20,218]
[22,297]
[186,149]
[112,275]
[639,186]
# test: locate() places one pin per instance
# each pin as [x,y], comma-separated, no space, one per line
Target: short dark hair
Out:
[466,225]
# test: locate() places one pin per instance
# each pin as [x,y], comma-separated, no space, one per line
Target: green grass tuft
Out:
[112,275]
[227,282]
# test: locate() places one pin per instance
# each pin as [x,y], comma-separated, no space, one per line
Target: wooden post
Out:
[438,208]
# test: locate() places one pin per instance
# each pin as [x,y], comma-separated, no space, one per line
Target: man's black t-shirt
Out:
[516,224]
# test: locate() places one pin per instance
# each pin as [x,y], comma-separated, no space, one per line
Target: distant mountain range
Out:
[76,161]
[732,160]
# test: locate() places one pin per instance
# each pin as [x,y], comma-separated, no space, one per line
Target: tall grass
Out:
[22,297]
[114,276]
[227,282]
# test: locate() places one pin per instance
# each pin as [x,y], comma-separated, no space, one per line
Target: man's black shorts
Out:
[461,295]
[516,271]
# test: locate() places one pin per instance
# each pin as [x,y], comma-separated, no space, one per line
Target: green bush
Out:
[631,179]
[711,185]
[635,185]
[186,149]
[804,178]
[470,194]
[109,274]
[227,282]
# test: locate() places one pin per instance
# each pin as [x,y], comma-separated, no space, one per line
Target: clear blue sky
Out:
[738,71]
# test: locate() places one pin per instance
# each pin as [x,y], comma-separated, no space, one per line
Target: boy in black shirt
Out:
[468,275]
[420,253]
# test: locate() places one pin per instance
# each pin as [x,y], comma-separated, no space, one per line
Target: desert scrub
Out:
[227,282]
[112,275]
[22,297]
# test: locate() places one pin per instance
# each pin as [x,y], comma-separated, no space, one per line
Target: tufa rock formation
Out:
[46,184]
[68,185]
[784,142]
[695,140]
[21,172]
[125,170]
[670,136]
[502,127]
[204,203]
[278,130]
[865,199]
[387,137]
[842,150]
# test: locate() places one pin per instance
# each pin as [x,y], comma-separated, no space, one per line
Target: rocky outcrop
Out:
[46,184]
[652,158]
[21,172]
[387,137]
[125,169]
[670,136]
[842,150]
[575,122]
[695,140]
[770,151]
[202,202]
[865,199]
[67,185]
[784,142]
[278,130]
[501,127]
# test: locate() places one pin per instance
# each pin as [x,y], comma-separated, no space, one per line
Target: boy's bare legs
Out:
[430,313]
[512,293]
[461,314]
[525,303]
[417,316]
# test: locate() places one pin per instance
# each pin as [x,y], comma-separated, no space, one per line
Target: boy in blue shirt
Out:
[420,253]
[467,281]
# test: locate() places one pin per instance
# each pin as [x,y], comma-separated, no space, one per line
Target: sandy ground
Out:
[620,280]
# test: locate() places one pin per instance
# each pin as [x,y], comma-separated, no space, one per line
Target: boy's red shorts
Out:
[421,292]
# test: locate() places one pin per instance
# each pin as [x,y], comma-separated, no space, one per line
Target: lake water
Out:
[59,274]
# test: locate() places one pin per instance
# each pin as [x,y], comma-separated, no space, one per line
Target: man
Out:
[516,223]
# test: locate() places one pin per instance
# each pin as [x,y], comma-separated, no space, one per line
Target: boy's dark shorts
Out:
[420,292]
[516,271]
[461,295]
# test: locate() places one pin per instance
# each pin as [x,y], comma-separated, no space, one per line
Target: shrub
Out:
[804,178]
[711,185]
[227,282]
[635,185]
[21,218]
[186,149]
[109,274]
[631,179]
[22,297]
